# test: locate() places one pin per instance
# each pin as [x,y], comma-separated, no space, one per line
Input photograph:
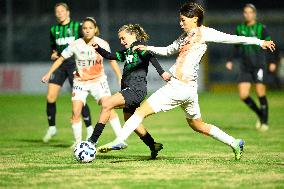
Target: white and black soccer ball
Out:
[85,152]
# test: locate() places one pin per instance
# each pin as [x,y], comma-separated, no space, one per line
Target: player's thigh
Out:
[79,92]
[260,89]
[191,108]
[114,101]
[52,92]
[164,99]
[100,91]
[244,89]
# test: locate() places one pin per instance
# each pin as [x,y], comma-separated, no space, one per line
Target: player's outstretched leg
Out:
[236,144]
[130,125]
[144,136]
[108,114]
[149,141]
[244,91]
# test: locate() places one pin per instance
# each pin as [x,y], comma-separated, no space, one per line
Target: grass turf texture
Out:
[189,159]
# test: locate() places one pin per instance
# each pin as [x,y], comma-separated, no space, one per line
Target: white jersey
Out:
[89,63]
[191,47]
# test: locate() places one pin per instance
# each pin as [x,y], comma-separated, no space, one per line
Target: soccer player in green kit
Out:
[253,65]
[65,32]
[133,83]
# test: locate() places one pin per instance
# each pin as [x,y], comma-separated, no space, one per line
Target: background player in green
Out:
[253,65]
[61,35]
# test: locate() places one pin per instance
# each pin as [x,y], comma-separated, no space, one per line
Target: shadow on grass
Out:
[39,142]
[132,158]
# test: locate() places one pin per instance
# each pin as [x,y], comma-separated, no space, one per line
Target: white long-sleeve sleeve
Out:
[212,35]
[165,51]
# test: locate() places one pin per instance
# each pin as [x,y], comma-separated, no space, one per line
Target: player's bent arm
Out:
[104,53]
[165,75]
[212,35]
[54,66]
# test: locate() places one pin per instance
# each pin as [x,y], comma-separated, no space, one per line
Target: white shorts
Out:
[176,93]
[98,89]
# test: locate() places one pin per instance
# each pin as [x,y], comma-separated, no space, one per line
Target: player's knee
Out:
[107,105]
[260,92]
[51,98]
[76,115]
[243,96]
[140,112]
[113,114]
[75,119]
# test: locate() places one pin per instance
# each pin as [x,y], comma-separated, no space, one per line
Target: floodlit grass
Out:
[189,159]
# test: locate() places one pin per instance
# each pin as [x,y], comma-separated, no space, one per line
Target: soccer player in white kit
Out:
[181,90]
[89,76]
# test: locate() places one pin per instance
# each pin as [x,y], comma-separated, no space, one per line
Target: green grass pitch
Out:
[189,159]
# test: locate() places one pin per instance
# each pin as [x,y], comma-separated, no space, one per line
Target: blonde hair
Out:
[91,19]
[250,6]
[63,5]
[140,33]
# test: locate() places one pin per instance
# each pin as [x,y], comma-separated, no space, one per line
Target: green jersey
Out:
[252,56]
[62,35]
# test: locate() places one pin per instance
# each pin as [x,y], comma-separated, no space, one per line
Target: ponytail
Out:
[140,33]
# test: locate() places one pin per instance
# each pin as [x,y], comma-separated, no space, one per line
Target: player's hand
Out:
[139,47]
[166,76]
[54,56]
[95,45]
[229,65]
[45,78]
[272,67]
[268,45]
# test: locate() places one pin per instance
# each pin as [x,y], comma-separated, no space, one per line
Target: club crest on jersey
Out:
[129,58]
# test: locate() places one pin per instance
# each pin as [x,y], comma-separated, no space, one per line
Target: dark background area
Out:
[25,24]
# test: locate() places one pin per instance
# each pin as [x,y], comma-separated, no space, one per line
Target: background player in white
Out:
[89,76]
[181,90]
[61,34]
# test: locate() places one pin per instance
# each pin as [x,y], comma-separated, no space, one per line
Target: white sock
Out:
[130,125]
[52,129]
[77,131]
[220,135]
[90,130]
[115,125]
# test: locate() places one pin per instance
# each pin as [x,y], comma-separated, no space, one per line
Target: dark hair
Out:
[250,6]
[61,4]
[191,10]
[140,33]
[91,19]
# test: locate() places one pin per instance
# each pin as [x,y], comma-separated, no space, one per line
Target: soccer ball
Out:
[85,152]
